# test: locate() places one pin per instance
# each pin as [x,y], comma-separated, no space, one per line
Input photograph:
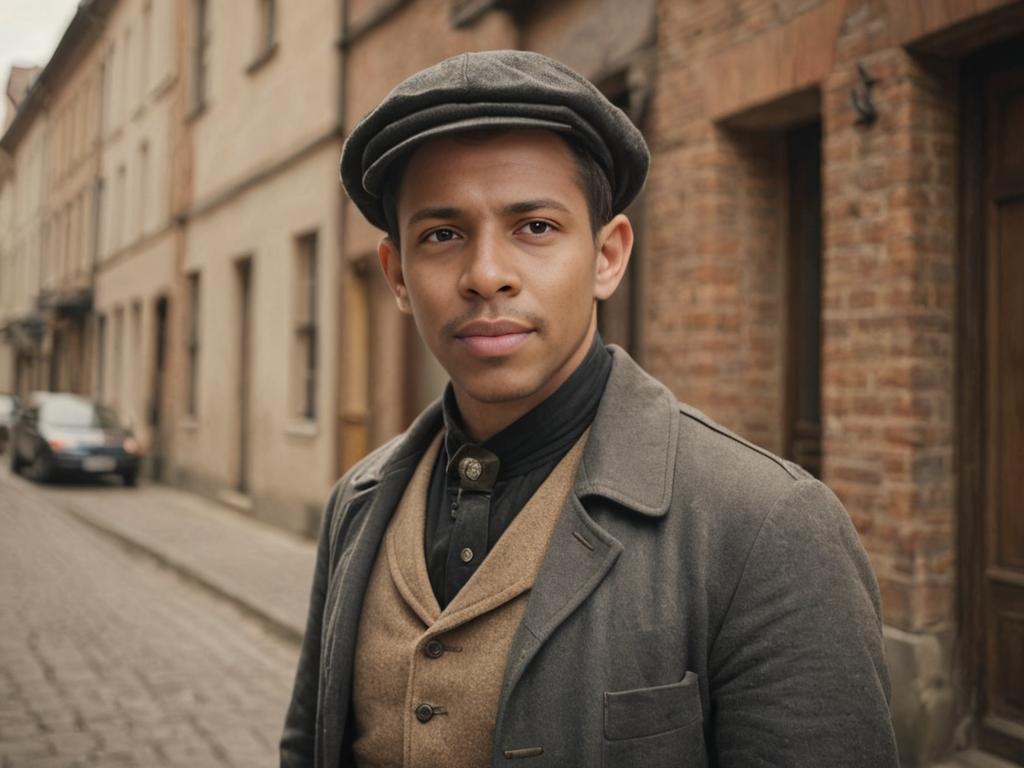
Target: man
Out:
[558,563]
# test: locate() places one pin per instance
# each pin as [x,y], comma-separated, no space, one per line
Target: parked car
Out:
[9,405]
[58,433]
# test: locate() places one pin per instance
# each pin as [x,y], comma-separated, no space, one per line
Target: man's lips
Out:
[493,338]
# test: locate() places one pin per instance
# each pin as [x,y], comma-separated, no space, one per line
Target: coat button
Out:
[466,554]
[424,712]
[433,649]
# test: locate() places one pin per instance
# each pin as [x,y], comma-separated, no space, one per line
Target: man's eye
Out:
[441,236]
[538,227]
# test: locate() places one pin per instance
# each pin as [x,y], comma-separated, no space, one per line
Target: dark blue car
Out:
[63,434]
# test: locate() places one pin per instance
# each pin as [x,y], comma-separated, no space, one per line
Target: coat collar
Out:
[629,457]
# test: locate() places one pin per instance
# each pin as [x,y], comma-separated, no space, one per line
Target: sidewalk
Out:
[266,571]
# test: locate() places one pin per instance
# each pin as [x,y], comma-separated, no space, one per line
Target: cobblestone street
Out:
[108,658]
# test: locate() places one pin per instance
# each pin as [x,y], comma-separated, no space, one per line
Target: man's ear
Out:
[391,264]
[614,246]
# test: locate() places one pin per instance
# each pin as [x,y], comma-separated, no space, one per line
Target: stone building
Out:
[255,420]
[23,198]
[72,83]
[136,234]
[48,215]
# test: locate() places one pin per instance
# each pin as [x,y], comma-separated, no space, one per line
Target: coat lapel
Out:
[629,459]
[580,556]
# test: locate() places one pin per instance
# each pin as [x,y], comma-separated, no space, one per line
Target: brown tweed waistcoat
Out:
[410,653]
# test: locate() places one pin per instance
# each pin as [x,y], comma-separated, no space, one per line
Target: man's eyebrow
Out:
[529,206]
[423,214]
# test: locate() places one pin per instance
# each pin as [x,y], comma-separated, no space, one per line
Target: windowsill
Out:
[262,58]
[302,428]
[196,110]
[189,423]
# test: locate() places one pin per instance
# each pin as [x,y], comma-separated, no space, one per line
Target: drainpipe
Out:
[340,275]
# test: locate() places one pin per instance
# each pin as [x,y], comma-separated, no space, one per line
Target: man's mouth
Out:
[493,338]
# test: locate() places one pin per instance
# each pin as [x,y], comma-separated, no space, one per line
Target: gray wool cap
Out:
[491,89]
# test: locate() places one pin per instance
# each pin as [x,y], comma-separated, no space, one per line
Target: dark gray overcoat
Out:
[702,602]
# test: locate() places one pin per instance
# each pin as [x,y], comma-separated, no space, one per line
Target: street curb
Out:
[278,626]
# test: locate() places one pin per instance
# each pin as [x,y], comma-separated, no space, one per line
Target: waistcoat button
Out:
[424,712]
[433,649]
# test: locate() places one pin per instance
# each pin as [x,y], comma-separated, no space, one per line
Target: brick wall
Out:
[716,218]
[889,320]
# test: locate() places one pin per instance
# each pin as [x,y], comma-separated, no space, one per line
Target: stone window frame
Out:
[265,40]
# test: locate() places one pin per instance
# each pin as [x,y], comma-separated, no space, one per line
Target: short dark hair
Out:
[593,181]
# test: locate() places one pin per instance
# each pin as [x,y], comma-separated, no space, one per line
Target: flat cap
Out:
[491,89]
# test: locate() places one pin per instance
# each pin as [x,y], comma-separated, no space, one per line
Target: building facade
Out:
[256,408]
[136,233]
[836,192]
[23,207]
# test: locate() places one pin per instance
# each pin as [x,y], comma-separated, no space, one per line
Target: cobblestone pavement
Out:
[110,659]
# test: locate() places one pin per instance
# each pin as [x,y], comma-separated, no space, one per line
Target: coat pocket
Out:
[655,727]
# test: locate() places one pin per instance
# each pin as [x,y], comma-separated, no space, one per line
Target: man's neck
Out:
[483,420]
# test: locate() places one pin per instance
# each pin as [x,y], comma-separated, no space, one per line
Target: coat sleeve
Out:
[298,740]
[797,670]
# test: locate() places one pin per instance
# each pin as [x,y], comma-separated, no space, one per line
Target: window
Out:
[64,271]
[137,365]
[101,357]
[115,373]
[200,46]
[142,193]
[97,223]
[144,52]
[126,74]
[192,400]
[117,214]
[304,365]
[266,26]
[108,90]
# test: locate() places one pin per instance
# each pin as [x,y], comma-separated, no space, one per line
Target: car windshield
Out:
[77,413]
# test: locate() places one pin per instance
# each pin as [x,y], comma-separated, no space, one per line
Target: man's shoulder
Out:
[646,432]
[715,466]
[703,437]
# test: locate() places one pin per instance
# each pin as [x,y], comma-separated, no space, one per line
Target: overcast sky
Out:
[29,31]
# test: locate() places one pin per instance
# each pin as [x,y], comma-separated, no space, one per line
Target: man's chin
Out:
[497,388]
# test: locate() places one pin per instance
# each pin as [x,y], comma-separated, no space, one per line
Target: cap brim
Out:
[376,175]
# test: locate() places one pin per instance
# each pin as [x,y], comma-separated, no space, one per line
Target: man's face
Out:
[498,265]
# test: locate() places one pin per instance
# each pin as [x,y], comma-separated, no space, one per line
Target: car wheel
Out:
[15,461]
[131,478]
[42,468]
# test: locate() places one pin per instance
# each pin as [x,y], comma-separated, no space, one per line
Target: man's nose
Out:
[490,269]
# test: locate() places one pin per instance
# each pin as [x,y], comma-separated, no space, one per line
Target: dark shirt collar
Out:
[549,429]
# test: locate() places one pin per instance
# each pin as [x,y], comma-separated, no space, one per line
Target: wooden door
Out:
[1002,574]
[803,358]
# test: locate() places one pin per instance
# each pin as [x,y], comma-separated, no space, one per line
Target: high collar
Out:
[629,457]
[549,429]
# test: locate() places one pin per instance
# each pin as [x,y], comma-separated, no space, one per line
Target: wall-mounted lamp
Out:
[860,97]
